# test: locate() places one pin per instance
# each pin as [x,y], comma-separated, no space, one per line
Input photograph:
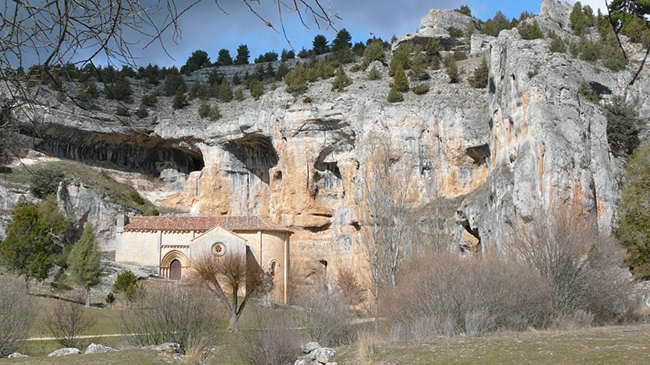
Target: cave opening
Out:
[256,152]
[134,152]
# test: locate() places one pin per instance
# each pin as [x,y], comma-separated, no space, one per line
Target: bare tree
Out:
[17,313]
[225,276]
[67,320]
[388,237]
[167,312]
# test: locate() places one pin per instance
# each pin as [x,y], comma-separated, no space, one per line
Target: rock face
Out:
[493,156]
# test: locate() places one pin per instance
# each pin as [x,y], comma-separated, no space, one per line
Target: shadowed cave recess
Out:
[133,152]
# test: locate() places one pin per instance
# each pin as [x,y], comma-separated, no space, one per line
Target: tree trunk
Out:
[234,322]
[87,297]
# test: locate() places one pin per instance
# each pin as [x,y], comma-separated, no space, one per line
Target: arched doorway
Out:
[175,270]
[174,265]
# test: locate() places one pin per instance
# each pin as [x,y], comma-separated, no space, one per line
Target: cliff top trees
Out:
[197,60]
[320,44]
[242,55]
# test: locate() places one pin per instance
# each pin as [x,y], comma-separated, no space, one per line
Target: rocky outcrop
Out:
[315,354]
[94,348]
[435,25]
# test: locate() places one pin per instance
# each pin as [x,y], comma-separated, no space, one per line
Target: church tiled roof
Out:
[230,223]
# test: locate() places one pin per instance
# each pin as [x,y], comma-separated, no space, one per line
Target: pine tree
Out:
[225,91]
[224,58]
[480,78]
[83,261]
[243,54]
[400,81]
[341,81]
[256,88]
[320,44]
[633,218]
[578,19]
[452,70]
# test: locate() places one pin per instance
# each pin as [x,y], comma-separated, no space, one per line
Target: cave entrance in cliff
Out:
[132,152]
[256,152]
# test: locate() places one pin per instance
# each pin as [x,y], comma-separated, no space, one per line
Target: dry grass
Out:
[598,345]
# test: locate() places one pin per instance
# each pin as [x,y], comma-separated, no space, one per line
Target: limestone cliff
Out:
[495,155]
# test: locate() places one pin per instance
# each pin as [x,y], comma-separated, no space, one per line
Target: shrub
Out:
[479,79]
[204,110]
[296,81]
[557,45]
[400,82]
[239,94]
[622,127]
[452,70]
[256,88]
[495,25]
[180,100]
[141,112]
[577,19]
[45,181]
[149,100]
[342,80]
[172,313]
[374,74]
[225,91]
[67,321]
[119,90]
[394,96]
[17,313]
[275,339]
[355,68]
[124,283]
[87,91]
[421,89]
[530,30]
[587,91]
[122,111]
[327,319]
[455,32]
[589,50]
[307,100]
[214,114]
[173,82]
[373,52]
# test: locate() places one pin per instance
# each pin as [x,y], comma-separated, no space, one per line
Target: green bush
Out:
[122,111]
[530,31]
[149,100]
[578,20]
[256,88]
[588,93]
[239,94]
[557,45]
[374,74]
[225,91]
[141,112]
[455,32]
[204,110]
[45,181]
[296,81]
[341,81]
[355,68]
[632,224]
[125,283]
[421,89]
[400,82]
[452,70]
[119,90]
[307,100]
[87,91]
[394,96]
[495,25]
[136,197]
[479,79]
[622,127]
[374,52]
[214,114]
[180,100]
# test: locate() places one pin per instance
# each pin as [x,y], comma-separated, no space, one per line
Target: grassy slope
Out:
[93,178]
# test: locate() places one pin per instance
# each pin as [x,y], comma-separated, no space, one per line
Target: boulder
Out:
[168,347]
[16,355]
[94,348]
[64,352]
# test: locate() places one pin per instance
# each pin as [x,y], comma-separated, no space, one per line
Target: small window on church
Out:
[272,267]
[218,249]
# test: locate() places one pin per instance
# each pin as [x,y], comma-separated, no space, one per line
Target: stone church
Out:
[169,244]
